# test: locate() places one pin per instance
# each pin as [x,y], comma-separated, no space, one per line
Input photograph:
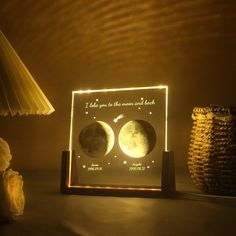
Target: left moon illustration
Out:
[97,139]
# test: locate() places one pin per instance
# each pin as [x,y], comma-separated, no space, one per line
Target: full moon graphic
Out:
[137,138]
[97,139]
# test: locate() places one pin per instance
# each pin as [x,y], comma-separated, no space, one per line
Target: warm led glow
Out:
[119,89]
[116,188]
[115,120]
[166,121]
[70,141]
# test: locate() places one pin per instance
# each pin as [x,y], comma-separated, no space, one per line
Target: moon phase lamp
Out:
[118,143]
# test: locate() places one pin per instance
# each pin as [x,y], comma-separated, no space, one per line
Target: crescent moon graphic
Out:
[137,138]
[97,139]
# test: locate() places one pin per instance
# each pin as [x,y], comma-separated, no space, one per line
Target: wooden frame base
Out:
[167,188]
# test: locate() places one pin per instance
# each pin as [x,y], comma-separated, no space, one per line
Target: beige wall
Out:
[190,47]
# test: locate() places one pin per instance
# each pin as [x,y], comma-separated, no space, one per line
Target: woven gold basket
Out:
[212,150]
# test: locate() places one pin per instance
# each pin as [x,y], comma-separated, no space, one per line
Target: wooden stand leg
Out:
[168,172]
[64,171]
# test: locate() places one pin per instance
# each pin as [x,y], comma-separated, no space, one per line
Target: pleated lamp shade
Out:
[19,92]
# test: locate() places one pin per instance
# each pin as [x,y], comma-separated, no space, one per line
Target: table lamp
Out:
[19,95]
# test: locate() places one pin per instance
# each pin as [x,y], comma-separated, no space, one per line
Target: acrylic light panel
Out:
[117,137]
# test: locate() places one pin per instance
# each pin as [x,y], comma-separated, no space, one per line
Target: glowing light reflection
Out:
[114,90]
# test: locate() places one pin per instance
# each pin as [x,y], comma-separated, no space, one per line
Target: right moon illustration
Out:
[137,138]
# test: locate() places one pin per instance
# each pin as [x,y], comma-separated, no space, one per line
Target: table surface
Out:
[48,212]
